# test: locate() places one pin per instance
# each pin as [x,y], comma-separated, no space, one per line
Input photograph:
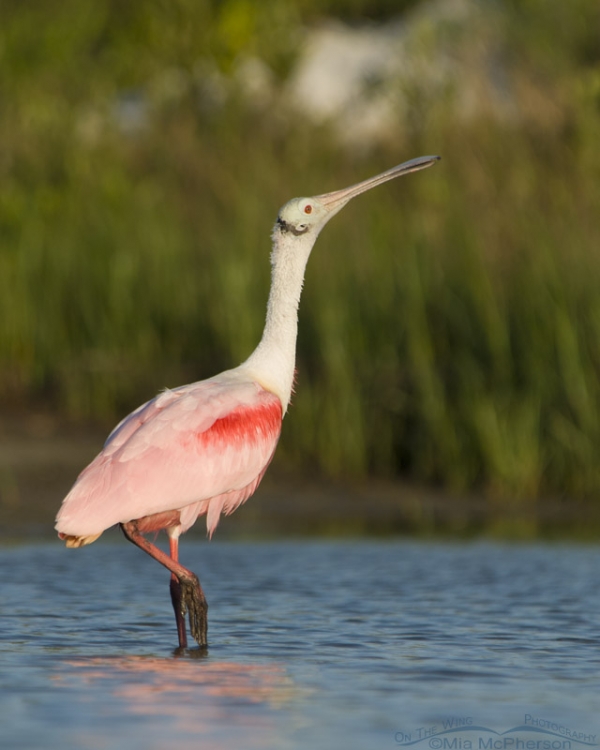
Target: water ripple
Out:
[311,643]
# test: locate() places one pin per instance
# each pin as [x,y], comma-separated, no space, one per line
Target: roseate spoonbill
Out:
[203,448]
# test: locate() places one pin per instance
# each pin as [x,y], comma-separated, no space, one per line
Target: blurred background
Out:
[449,344]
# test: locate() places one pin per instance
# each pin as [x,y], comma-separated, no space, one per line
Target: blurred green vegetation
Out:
[450,324]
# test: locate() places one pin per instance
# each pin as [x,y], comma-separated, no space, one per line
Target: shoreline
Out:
[39,463]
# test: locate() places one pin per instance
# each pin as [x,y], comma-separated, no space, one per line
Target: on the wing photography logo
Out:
[463,733]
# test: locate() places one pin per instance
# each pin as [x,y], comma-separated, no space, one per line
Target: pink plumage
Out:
[200,449]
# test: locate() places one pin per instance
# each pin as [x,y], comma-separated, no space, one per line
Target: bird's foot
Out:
[194,604]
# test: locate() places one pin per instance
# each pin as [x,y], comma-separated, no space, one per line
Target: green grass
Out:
[450,324]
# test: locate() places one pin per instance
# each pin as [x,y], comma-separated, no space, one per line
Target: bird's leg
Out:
[175,589]
[186,593]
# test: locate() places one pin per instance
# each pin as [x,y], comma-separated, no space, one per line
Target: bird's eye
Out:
[308,209]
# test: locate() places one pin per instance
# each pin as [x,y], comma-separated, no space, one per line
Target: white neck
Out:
[272,363]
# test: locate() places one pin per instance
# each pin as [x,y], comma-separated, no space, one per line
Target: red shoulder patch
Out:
[249,425]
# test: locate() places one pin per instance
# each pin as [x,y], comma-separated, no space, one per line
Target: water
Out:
[357,644]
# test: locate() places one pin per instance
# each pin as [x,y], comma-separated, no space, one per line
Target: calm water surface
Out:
[313,644]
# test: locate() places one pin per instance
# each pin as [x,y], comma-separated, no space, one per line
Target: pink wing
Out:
[202,448]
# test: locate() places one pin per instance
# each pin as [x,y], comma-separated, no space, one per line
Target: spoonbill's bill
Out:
[203,448]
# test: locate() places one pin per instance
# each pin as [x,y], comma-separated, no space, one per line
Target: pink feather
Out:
[199,449]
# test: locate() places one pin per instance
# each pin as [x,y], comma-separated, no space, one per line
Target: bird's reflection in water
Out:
[196,696]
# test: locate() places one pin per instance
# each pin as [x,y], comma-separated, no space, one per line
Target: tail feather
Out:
[78,541]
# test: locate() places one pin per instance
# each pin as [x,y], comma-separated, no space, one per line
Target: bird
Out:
[203,448]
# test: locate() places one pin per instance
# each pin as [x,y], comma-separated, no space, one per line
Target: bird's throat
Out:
[273,361]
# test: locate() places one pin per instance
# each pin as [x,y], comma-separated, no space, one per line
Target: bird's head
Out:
[302,216]
[307,216]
